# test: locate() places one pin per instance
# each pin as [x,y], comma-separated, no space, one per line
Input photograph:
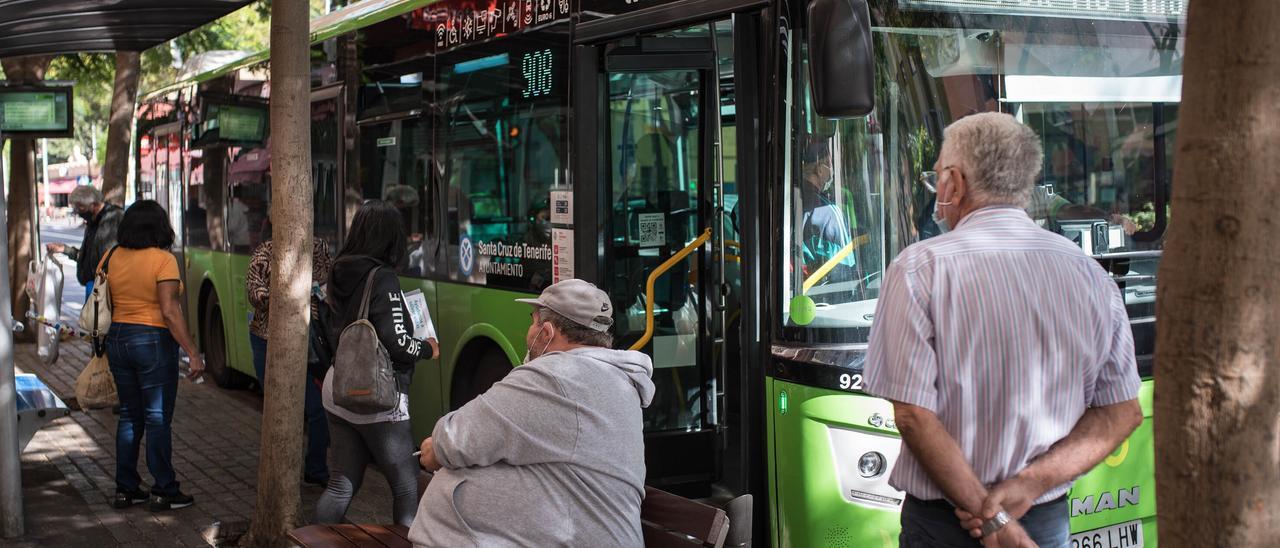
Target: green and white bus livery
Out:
[669,151]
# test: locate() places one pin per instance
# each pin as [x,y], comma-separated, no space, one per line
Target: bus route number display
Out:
[538,70]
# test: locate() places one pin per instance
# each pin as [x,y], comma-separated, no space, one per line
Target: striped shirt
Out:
[1007,332]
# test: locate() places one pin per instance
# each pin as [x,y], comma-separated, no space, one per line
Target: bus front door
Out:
[663,197]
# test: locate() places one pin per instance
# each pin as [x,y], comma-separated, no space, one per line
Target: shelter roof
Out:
[29,27]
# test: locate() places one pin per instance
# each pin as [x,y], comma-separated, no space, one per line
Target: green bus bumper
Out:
[818,497]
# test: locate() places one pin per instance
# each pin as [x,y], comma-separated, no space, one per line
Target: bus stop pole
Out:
[10,466]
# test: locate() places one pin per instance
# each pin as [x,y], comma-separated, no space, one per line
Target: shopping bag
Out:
[47,304]
[95,387]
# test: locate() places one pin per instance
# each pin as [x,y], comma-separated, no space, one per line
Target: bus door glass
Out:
[325,167]
[663,131]
[160,170]
[172,197]
[395,158]
[147,145]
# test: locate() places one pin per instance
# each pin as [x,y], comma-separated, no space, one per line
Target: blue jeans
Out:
[933,524]
[144,362]
[88,290]
[315,466]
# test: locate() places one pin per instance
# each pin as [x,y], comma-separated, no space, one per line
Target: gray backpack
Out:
[363,380]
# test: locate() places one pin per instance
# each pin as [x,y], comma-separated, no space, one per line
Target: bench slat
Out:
[387,536]
[347,535]
[356,535]
[400,530]
[658,537]
[319,535]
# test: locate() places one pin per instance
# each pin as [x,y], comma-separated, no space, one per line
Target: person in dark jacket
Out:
[99,234]
[375,244]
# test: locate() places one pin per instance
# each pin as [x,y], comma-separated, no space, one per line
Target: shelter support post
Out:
[10,466]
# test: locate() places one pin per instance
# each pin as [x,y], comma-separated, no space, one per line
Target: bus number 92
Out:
[851,381]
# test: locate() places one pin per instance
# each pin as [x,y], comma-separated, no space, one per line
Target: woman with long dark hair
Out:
[375,246]
[147,327]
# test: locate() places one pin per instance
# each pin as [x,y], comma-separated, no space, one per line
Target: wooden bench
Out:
[350,536]
[667,520]
[671,521]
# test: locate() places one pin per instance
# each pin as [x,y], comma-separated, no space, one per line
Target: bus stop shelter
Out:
[34,27]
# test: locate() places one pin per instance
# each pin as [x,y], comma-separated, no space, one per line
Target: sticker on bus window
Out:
[561,207]
[653,229]
[561,254]
[386,142]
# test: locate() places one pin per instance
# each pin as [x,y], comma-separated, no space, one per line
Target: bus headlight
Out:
[871,464]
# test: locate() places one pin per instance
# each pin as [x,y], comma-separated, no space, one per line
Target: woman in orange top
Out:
[147,328]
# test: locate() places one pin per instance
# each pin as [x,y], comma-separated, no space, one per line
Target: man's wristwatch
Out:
[996,523]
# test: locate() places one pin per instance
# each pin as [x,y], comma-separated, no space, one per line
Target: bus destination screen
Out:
[42,112]
[241,123]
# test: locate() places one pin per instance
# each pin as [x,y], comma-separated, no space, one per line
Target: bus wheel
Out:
[468,383]
[214,340]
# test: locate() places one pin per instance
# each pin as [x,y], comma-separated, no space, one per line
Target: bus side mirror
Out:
[841,59]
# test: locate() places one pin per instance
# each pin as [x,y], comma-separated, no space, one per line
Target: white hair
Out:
[85,195]
[1000,157]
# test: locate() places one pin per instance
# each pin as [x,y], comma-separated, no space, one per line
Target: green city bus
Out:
[669,151]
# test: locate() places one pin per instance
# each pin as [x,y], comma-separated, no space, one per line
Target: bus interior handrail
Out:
[831,263]
[653,279]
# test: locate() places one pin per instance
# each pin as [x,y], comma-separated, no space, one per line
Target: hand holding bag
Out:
[95,317]
[95,387]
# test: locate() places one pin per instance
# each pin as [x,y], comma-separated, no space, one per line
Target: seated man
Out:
[552,455]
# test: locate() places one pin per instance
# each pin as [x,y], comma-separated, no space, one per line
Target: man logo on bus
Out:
[1106,501]
[466,255]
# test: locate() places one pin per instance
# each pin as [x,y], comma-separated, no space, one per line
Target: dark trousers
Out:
[144,362]
[386,444]
[933,524]
[314,466]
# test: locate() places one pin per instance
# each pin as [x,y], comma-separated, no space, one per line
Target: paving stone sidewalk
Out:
[69,466]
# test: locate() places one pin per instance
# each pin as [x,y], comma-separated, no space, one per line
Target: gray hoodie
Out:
[553,455]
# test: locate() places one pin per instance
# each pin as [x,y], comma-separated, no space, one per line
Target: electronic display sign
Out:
[226,119]
[36,111]
[242,123]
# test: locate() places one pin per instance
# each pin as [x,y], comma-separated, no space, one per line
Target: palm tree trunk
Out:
[280,460]
[120,126]
[1217,399]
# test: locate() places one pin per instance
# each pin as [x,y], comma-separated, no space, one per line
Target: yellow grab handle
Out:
[831,263]
[653,278]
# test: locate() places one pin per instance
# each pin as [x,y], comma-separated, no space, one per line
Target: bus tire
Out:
[491,367]
[214,340]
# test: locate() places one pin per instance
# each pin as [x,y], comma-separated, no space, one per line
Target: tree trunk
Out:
[22,193]
[120,126]
[279,463]
[1217,399]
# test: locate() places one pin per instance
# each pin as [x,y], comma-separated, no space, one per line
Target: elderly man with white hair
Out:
[99,233]
[1005,350]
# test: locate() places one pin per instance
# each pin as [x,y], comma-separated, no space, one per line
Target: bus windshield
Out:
[1100,87]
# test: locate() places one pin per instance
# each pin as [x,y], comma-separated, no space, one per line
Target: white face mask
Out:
[943,225]
[528,352]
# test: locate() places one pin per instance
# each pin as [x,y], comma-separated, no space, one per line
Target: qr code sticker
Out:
[653,229]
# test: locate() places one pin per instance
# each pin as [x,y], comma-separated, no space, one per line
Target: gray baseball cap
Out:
[582,302]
